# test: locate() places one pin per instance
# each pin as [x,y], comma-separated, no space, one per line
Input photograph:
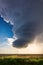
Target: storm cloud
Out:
[26,16]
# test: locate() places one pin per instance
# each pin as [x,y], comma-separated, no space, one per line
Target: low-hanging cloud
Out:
[26,16]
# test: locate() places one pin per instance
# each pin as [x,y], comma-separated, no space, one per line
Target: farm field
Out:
[21,59]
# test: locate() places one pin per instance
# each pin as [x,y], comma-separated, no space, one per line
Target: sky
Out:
[21,26]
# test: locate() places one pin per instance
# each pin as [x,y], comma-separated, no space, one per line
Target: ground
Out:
[21,59]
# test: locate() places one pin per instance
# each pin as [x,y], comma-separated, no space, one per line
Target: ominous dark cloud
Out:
[26,16]
[25,34]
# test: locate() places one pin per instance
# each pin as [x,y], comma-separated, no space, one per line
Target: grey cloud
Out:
[26,16]
[20,43]
[27,30]
[25,34]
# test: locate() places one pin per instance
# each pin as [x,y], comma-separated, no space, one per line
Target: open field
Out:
[21,59]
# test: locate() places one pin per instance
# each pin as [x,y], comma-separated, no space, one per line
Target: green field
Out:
[21,60]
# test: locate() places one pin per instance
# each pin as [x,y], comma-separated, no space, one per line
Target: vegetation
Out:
[21,61]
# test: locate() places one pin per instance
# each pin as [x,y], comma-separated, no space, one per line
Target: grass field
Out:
[21,59]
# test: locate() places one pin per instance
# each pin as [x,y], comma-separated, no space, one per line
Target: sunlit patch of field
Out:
[21,59]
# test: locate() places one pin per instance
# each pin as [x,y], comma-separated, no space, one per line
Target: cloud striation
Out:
[26,16]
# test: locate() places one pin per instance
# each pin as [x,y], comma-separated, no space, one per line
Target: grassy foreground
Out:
[11,60]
